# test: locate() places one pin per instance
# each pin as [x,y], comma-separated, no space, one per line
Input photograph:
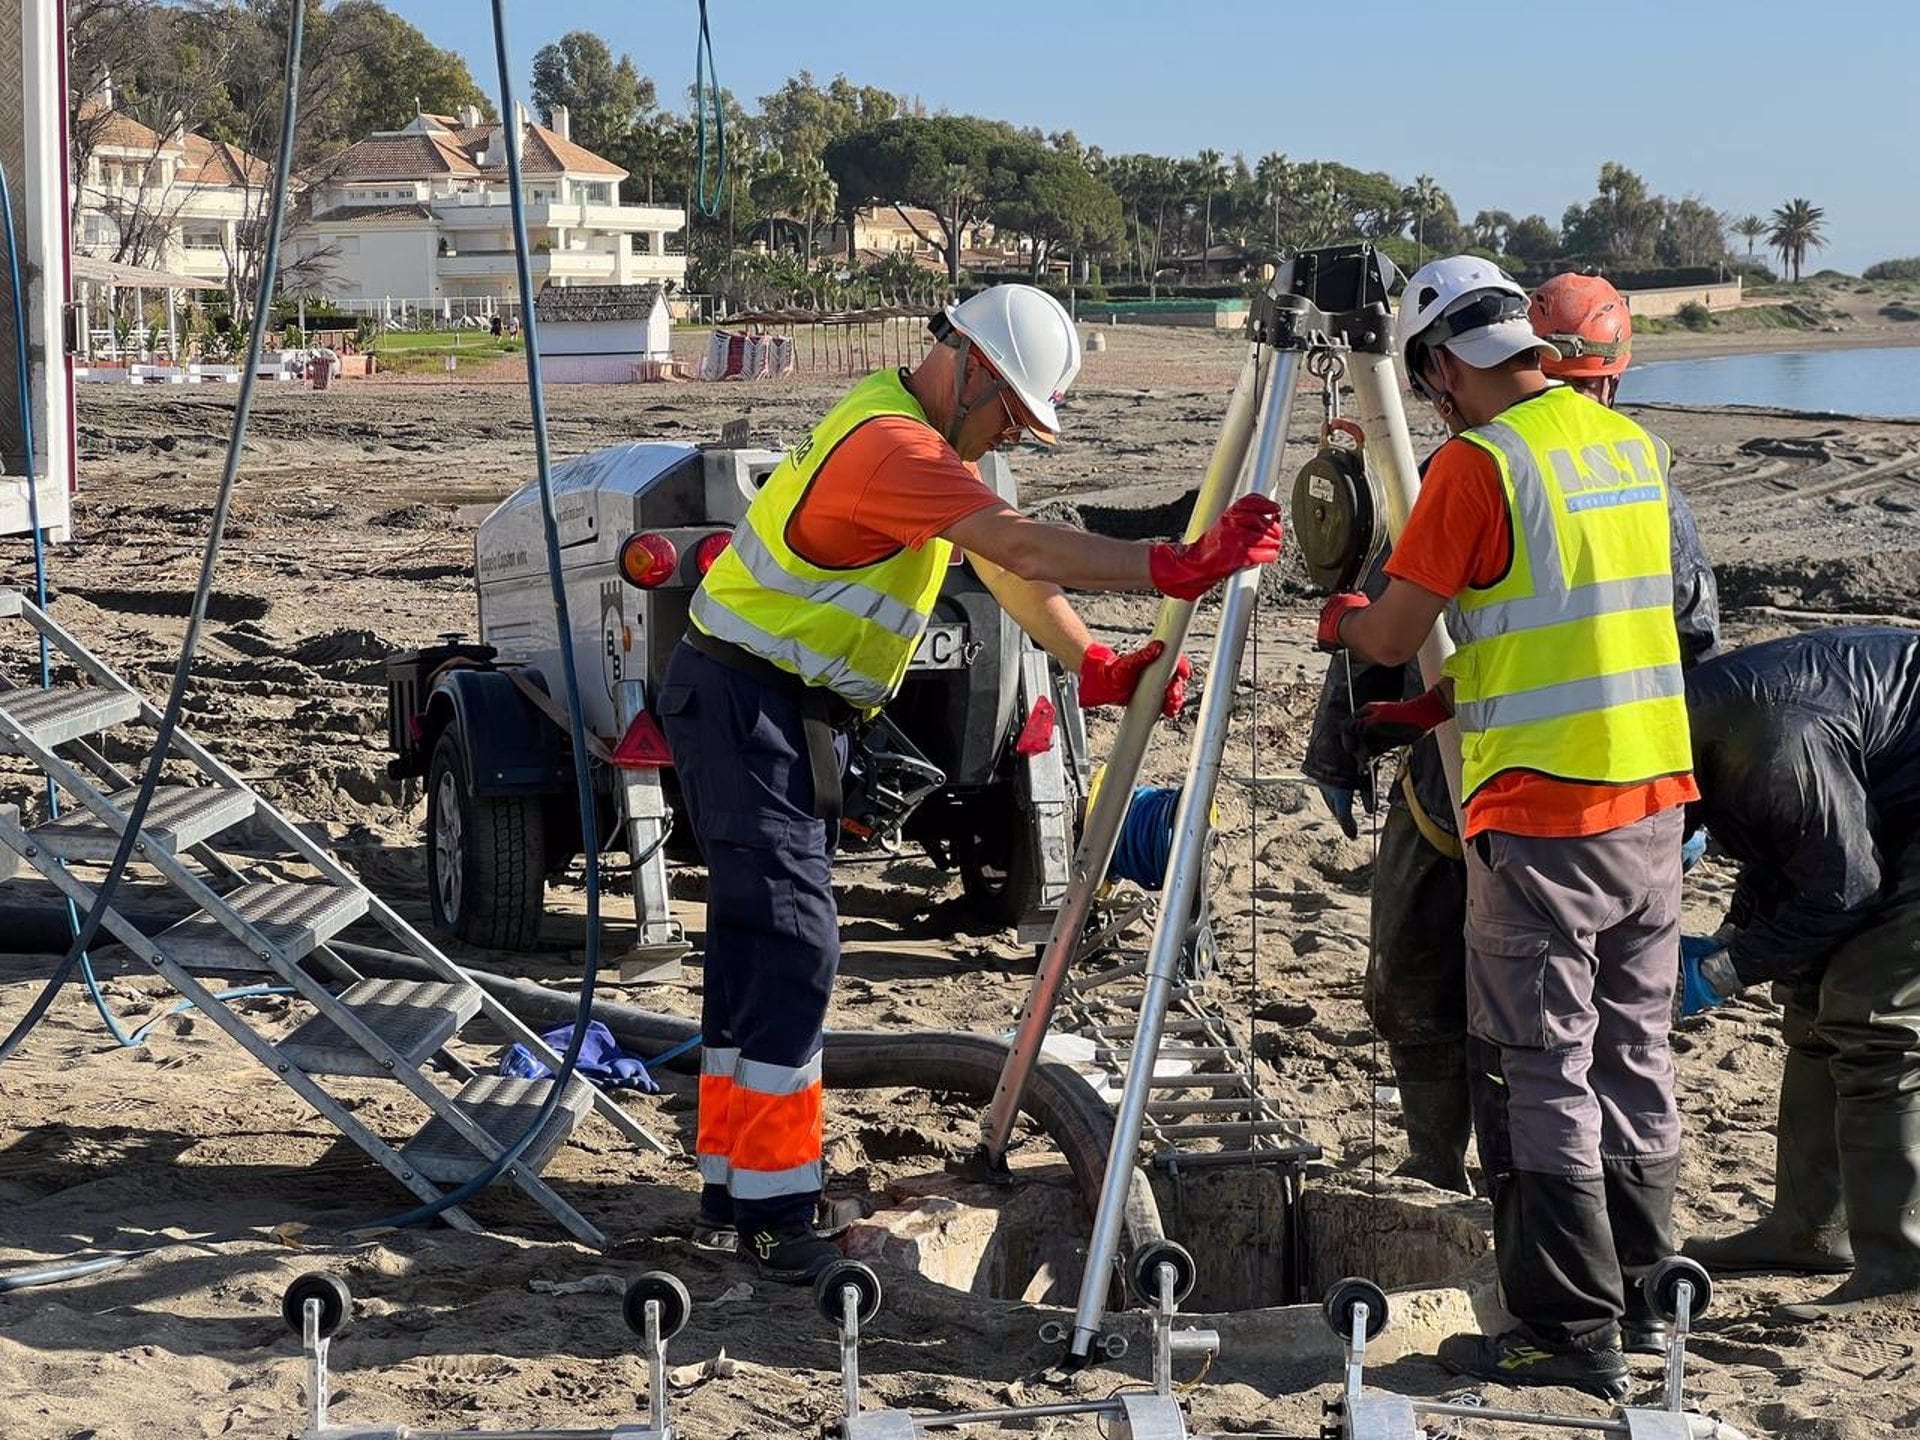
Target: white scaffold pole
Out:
[1108,813]
[1187,860]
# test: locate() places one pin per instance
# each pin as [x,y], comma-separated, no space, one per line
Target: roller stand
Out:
[1356,1310]
[317,1305]
[848,1295]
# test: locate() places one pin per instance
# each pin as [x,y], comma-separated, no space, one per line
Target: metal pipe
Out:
[1677,1347]
[1521,1417]
[1101,832]
[1184,866]
[1389,455]
[850,1350]
[1011,1415]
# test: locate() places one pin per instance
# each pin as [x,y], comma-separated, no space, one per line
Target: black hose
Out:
[1059,1100]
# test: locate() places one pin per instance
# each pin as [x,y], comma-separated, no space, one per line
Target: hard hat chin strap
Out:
[963,348]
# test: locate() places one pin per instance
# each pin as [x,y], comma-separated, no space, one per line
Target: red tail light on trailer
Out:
[648,560]
[709,550]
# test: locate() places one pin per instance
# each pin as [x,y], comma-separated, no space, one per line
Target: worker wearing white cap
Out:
[1542,533]
[808,622]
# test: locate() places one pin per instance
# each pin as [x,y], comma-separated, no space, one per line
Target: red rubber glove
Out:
[1388,724]
[1110,679]
[1340,604]
[1247,534]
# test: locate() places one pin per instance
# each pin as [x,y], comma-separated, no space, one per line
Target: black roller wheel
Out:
[336,1302]
[835,1278]
[486,855]
[1345,1294]
[1143,1271]
[675,1304]
[1661,1286]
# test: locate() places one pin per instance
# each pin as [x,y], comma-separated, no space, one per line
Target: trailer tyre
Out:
[486,855]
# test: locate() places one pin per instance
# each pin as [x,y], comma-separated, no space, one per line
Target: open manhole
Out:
[1259,1236]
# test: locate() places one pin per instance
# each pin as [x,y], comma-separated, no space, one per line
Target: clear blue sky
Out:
[1745,104]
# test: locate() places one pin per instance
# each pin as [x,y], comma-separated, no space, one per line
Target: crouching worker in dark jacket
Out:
[1807,754]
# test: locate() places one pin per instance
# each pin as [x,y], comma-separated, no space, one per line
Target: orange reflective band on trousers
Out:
[760,1126]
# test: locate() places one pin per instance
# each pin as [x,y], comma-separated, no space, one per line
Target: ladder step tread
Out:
[415,1017]
[503,1106]
[295,916]
[180,817]
[66,712]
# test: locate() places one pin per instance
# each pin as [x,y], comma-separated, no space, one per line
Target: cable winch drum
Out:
[1336,517]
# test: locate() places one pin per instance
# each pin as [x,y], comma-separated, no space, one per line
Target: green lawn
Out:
[477,341]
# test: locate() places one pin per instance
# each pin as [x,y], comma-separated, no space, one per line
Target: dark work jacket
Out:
[1807,753]
[1333,754]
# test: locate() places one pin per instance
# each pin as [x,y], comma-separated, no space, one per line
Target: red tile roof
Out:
[356,214]
[418,155]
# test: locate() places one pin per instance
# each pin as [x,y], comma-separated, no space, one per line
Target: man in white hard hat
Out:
[1542,533]
[806,623]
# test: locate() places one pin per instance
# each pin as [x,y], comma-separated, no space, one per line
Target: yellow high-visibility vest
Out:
[853,631]
[1569,664]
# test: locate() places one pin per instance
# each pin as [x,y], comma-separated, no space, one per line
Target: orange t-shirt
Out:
[891,484]
[1459,537]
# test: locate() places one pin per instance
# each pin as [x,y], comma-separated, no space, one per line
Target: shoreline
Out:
[1654,348]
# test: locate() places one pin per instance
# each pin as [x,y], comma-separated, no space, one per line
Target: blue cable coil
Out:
[1146,837]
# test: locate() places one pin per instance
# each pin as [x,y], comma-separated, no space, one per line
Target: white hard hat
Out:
[1030,341]
[1469,305]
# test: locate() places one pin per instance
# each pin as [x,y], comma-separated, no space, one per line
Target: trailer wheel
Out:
[486,855]
[999,859]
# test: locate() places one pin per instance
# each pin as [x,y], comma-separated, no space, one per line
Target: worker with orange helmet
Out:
[1587,321]
[1416,989]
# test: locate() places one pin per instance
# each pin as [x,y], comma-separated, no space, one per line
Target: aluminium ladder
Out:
[369,1028]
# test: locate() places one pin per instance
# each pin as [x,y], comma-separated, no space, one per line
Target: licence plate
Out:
[943,647]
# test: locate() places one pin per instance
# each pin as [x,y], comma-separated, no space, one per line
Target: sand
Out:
[352,537]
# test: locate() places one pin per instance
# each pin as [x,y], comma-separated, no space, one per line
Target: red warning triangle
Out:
[644,746]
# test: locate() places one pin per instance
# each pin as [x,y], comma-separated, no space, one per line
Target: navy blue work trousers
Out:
[772,941]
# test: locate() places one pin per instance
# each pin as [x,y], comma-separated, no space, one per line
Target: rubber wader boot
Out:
[1436,1112]
[1640,1210]
[1805,1233]
[1880,1173]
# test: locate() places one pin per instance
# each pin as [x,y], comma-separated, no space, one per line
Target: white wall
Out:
[387,261]
[630,340]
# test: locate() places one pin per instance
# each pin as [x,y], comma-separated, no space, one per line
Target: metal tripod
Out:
[1329,302]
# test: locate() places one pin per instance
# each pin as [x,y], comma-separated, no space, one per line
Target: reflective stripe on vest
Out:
[1569,664]
[853,631]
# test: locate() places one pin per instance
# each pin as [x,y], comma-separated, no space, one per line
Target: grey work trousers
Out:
[1572,955]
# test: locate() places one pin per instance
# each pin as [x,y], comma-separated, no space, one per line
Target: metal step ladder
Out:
[1205,1106]
[280,928]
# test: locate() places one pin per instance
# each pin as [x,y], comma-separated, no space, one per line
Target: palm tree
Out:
[1796,226]
[1423,197]
[1211,173]
[1751,227]
[813,194]
[1273,173]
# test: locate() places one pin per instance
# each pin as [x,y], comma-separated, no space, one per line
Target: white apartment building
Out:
[173,201]
[422,215]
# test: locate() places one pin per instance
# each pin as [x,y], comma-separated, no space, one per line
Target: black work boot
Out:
[1516,1359]
[1436,1113]
[1880,1175]
[1805,1233]
[790,1254]
[1640,1210]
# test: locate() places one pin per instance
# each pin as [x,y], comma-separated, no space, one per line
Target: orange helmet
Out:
[1586,320]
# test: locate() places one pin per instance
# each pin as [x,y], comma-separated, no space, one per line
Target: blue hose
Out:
[707,195]
[1146,837]
[216,532]
[18,295]
[556,579]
